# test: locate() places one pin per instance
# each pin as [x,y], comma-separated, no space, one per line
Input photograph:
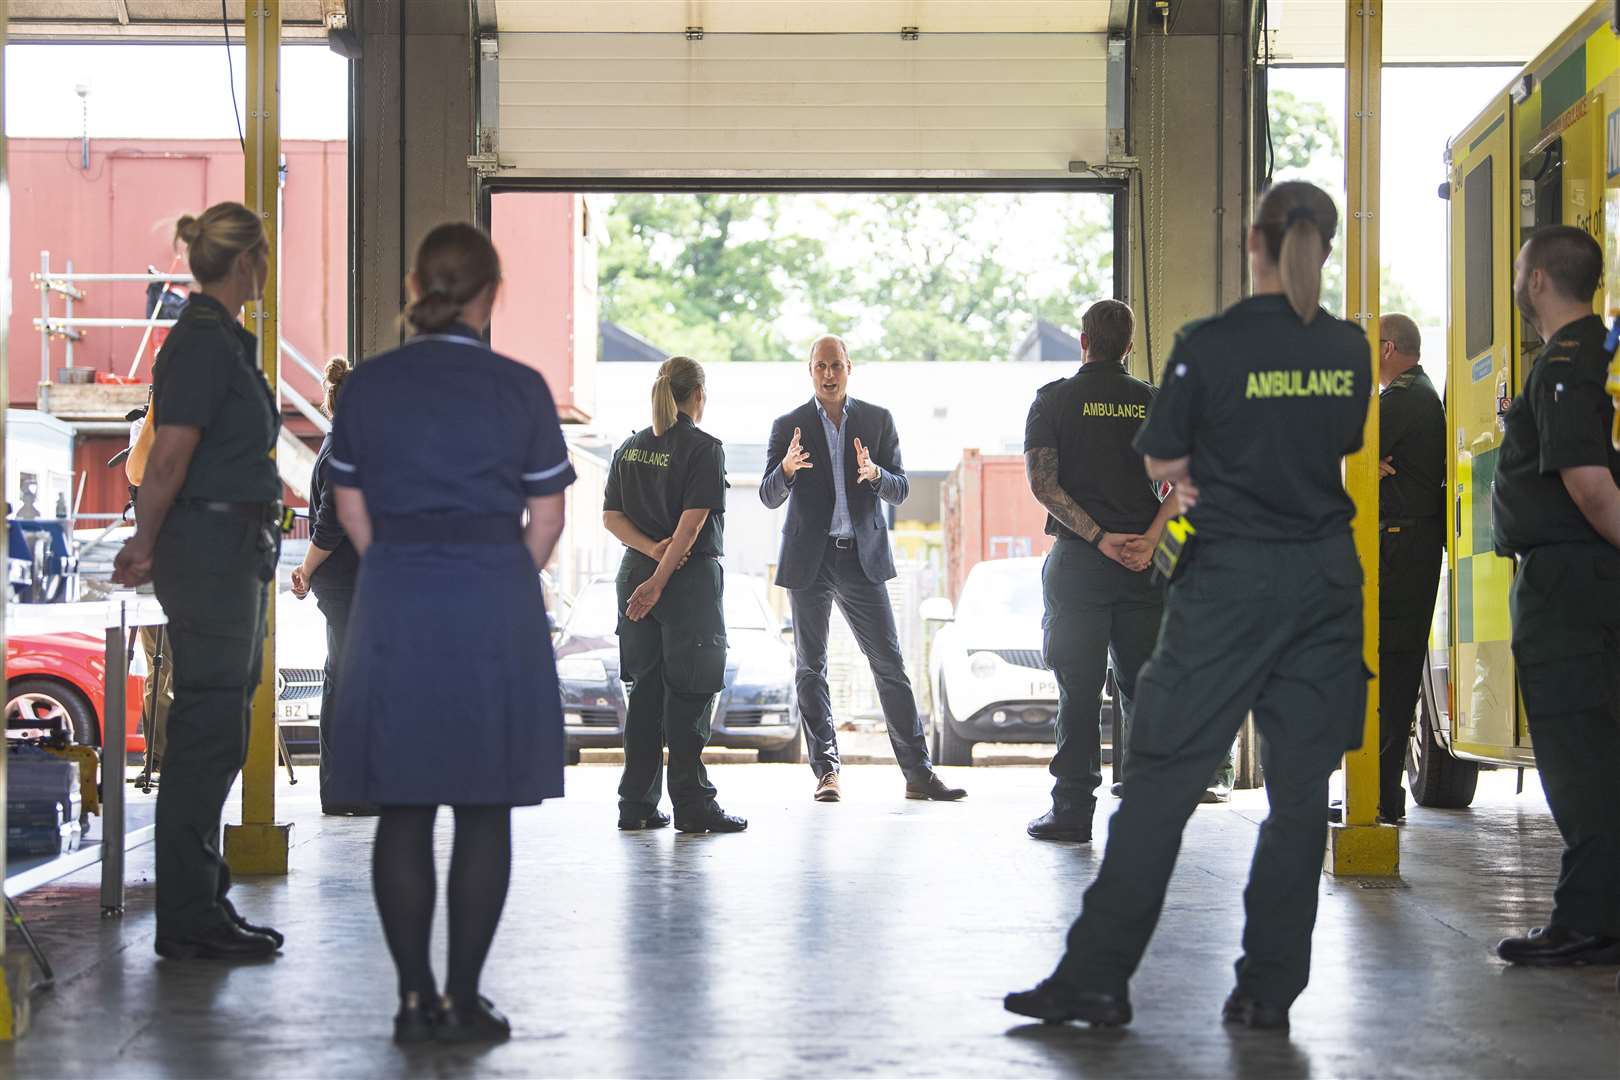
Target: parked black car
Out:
[755,711]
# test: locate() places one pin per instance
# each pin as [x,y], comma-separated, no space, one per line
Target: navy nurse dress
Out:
[448,693]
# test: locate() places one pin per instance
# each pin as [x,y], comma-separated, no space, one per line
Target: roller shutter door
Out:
[801,104]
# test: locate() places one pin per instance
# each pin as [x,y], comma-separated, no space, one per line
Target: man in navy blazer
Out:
[835,461]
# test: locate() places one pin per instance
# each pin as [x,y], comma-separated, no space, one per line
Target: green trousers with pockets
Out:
[1268,628]
[211,573]
[675,663]
[1565,605]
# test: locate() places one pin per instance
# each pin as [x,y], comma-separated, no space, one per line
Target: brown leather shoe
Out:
[827,788]
[934,789]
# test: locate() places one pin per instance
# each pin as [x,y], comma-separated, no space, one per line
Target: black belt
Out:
[447,529]
[258,511]
[842,543]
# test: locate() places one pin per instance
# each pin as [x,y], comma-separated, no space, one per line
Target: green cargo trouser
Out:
[1097,612]
[675,663]
[1268,628]
[1566,646]
[210,571]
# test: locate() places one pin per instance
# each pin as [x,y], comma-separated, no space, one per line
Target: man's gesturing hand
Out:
[797,457]
[865,471]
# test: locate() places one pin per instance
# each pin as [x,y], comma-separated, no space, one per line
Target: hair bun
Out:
[186,229]
[337,369]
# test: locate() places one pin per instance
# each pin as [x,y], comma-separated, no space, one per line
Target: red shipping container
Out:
[988,512]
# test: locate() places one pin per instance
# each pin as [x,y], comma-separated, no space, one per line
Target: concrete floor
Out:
[871,938]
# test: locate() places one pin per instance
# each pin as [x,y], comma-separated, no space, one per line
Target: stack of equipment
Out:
[43,803]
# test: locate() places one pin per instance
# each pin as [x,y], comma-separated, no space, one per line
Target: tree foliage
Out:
[1306,146]
[707,275]
[906,276]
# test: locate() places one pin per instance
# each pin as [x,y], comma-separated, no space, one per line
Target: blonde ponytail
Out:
[664,409]
[678,379]
[1300,266]
[1298,221]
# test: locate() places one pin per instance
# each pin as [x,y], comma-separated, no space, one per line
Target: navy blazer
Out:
[810,496]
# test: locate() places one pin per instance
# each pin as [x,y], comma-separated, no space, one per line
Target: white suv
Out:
[989,678]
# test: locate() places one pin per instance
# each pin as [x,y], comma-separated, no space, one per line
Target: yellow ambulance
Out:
[1545,151]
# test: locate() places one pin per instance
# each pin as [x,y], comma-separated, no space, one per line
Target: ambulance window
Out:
[1479,259]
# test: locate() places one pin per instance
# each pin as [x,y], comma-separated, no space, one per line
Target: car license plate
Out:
[292,710]
[1043,688]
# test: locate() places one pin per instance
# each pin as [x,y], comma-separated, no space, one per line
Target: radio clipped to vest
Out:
[1171,554]
[1612,384]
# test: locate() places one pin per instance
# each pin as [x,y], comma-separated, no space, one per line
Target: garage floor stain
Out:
[869,938]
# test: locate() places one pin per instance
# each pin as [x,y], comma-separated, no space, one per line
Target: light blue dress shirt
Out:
[841,524]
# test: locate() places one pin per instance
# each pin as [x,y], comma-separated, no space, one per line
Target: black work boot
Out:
[236,917]
[1053,1003]
[1559,946]
[1070,828]
[708,819]
[1242,1009]
[636,821]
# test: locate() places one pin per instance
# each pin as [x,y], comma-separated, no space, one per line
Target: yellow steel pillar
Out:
[1360,846]
[9,1015]
[259,845]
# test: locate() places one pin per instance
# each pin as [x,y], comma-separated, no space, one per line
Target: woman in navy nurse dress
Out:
[449,690]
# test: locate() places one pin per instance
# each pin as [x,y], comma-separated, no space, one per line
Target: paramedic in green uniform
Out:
[208,535]
[666,502]
[1258,407]
[1556,509]
[1411,544]
[1101,602]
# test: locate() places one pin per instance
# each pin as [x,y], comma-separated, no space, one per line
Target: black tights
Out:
[403,878]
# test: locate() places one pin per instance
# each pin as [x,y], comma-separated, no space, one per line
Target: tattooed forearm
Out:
[1041,465]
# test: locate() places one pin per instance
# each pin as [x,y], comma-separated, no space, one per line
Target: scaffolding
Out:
[69,327]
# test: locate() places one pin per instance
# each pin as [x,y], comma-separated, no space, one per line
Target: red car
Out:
[59,680]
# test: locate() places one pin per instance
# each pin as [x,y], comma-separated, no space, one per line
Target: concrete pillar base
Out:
[257,849]
[1363,851]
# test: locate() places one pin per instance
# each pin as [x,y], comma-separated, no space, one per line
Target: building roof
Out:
[1048,342]
[616,345]
[940,408]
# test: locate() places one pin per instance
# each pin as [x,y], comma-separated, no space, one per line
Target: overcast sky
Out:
[165,91]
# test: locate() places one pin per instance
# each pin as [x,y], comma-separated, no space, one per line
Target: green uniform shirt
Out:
[1268,406]
[1090,419]
[205,378]
[1412,431]
[655,478]
[1560,421]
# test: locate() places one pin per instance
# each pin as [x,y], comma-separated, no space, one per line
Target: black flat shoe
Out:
[1242,1009]
[1049,826]
[417,1019]
[236,917]
[711,820]
[1559,946]
[474,1021]
[229,943]
[636,823]
[1053,1004]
